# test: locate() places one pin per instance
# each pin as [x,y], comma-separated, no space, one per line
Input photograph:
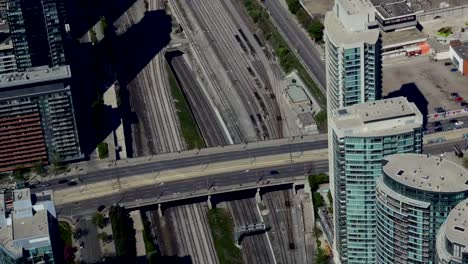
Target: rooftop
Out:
[339,35]
[31,227]
[297,94]
[456,225]
[399,37]
[355,6]
[35,75]
[377,118]
[461,48]
[392,8]
[426,173]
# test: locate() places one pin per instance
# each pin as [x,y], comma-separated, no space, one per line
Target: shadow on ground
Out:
[412,92]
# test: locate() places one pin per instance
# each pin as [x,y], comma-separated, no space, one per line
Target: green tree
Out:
[293,6]
[465,162]
[99,220]
[318,200]
[330,198]
[104,237]
[321,257]
[315,30]
[39,168]
[124,234]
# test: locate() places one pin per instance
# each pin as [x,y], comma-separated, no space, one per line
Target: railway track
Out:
[208,123]
[189,229]
[280,204]
[254,247]
[238,64]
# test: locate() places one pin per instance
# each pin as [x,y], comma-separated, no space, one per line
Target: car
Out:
[45,184]
[72,183]
[33,182]
[448,63]
[459,123]
[101,208]
[436,124]
[454,95]
[453,121]
[439,110]
[82,244]
[438,129]
[453,69]
[463,103]
[274,172]
[62,181]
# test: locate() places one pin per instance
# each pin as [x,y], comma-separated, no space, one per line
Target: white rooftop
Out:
[377,118]
[426,173]
[457,225]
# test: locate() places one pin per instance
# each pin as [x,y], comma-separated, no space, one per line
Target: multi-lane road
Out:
[298,39]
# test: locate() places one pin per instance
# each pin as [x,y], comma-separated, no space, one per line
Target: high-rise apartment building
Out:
[353,57]
[28,228]
[452,238]
[414,197]
[361,136]
[37,121]
[37,31]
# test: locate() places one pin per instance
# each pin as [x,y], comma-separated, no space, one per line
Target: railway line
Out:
[254,247]
[208,122]
[287,238]
[188,233]
[158,130]
[235,52]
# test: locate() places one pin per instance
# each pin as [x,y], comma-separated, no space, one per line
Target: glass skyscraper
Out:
[414,197]
[37,31]
[362,135]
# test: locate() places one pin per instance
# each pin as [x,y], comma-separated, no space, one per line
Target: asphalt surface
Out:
[299,40]
[91,252]
[446,125]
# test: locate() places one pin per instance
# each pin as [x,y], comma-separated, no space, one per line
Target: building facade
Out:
[452,238]
[7,54]
[414,197]
[38,30]
[28,228]
[353,56]
[362,135]
[37,121]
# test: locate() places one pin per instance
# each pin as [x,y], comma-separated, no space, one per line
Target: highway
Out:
[446,124]
[298,39]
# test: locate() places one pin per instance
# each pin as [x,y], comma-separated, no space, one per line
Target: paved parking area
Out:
[427,84]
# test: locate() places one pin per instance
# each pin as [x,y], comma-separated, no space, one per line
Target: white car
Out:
[459,123]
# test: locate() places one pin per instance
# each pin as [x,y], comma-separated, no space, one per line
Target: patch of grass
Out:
[65,233]
[445,32]
[321,119]
[150,247]
[465,162]
[187,122]
[103,150]
[222,228]
[288,60]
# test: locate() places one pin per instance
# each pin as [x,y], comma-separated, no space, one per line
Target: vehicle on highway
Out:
[62,181]
[459,123]
[45,184]
[274,172]
[72,183]
[439,129]
[436,124]
[34,182]
[76,180]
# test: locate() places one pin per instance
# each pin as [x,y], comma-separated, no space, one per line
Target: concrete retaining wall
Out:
[444,12]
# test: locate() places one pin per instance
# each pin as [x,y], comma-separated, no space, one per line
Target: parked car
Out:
[459,123]
[463,104]
[453,69]
[436,124]
[454,95]
[439,110]
[447,63]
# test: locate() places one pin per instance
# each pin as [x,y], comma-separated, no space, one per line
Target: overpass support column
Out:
[294,188]
[160,210]
[210,205]
[258,198]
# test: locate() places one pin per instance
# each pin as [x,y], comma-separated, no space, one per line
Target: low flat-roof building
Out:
[413,198]
[28,230]
[458,53]
[394,14]
[452,238]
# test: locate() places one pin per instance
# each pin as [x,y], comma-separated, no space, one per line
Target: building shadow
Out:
[412,92]
[83,14]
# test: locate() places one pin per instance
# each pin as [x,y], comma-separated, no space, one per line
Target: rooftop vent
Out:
[425,177]
[400,172]
[459,228]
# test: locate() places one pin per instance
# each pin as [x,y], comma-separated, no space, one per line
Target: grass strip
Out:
[188,126]
[65,233]
[222,228]
[288,59]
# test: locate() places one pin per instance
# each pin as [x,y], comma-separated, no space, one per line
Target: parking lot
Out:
[427,84]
